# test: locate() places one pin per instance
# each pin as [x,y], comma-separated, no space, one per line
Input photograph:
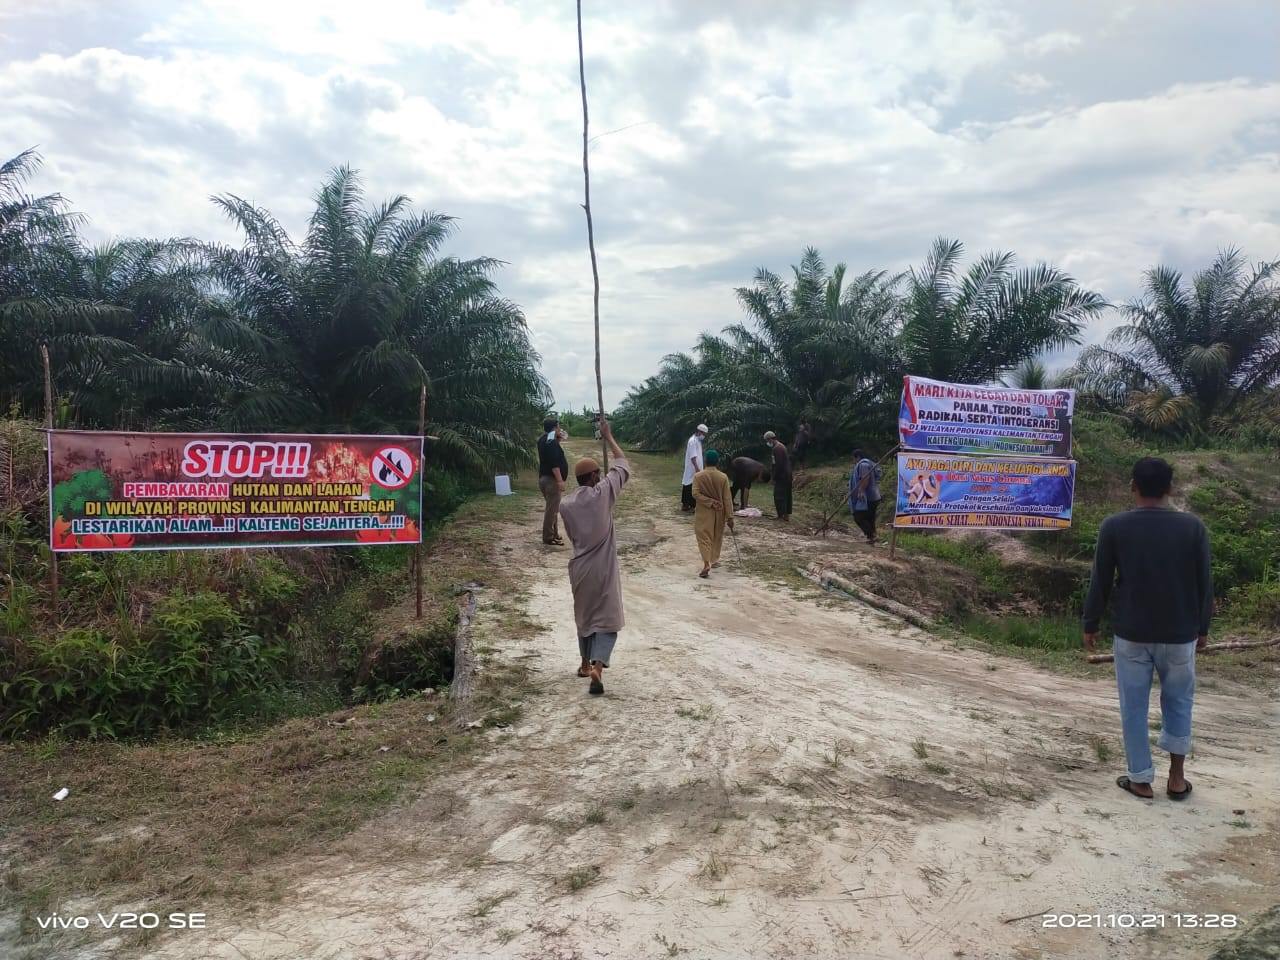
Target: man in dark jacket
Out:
[781,476]
[553,468]
[1155,561]
[743,472]
[800,446]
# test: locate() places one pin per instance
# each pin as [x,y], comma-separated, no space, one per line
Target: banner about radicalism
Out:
[1011,493]
[184,491]
[958,418]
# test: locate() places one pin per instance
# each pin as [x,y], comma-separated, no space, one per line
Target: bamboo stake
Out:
[591,238]
[837,505]
[48,446]
[422,487]
[1209,648]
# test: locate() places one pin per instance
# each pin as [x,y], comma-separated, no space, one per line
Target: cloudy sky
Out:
[1100,135]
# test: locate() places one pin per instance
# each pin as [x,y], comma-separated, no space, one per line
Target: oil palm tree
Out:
[340,331]
[975,327]
[818,349]
[662,411]
[1191,358]
[39,301]
[1031,374]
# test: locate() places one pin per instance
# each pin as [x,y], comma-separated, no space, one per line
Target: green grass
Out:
[595,815]
[703,712]
[486,904]
[991,571]
[1048,641]
[580,878]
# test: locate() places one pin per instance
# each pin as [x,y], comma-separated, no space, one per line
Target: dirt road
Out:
[776,774]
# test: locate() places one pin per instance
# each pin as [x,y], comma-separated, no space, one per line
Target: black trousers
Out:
[866,519]
[782,496]
[686,497]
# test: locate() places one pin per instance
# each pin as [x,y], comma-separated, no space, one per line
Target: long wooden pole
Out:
[1209,648]
[591,236]
[422,486]
[48,442]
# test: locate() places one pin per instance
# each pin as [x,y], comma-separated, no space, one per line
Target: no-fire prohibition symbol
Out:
[391,467]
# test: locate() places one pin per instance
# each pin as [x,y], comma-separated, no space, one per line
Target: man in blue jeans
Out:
[1155,560]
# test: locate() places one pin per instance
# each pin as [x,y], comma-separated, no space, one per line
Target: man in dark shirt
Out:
[553,468]
[743,472]
[800,446]
[781,476]
[1155,560]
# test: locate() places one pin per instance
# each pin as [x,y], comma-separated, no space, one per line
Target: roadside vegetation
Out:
[1191,374]
[217,713]
[336,332]
[1022,593]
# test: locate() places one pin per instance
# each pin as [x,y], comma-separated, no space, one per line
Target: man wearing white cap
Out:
[693,462]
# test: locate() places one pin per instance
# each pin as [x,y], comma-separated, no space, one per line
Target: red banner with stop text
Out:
[191,491]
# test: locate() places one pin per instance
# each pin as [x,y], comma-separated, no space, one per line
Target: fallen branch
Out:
[1026,916]
[828,581]
[1210,648]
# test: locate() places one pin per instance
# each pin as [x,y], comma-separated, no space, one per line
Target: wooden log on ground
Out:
[829,580]
[1209,648]
[464,659]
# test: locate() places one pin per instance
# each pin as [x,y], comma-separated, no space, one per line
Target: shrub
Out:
[1255,603]
[193,660]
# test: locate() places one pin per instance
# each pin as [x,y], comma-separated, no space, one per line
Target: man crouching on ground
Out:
[593,571]
[1156,559]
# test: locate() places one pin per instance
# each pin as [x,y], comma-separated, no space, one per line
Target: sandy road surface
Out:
[751,786]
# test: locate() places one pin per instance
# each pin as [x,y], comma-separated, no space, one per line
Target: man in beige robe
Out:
[593,570]
[714,509]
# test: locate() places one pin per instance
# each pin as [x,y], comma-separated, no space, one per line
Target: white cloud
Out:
[1058,41]
[746,135]
[1029,83]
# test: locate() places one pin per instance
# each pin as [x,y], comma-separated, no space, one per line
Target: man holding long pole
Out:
[594,574]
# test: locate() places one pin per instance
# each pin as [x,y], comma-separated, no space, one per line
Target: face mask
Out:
[551,436]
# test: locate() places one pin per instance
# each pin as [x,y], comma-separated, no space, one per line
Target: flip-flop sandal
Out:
[1124,784]
[597,688]
[583,675]
[1180,795]
[703,574]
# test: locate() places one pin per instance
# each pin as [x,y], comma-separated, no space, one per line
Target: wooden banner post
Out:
[422,487]
[48,445]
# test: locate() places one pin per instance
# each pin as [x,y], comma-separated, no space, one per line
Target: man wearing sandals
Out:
[594,575]
[1155,560]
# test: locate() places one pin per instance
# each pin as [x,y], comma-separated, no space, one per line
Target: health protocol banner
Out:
[191,491]
[994,493]
[957,418]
